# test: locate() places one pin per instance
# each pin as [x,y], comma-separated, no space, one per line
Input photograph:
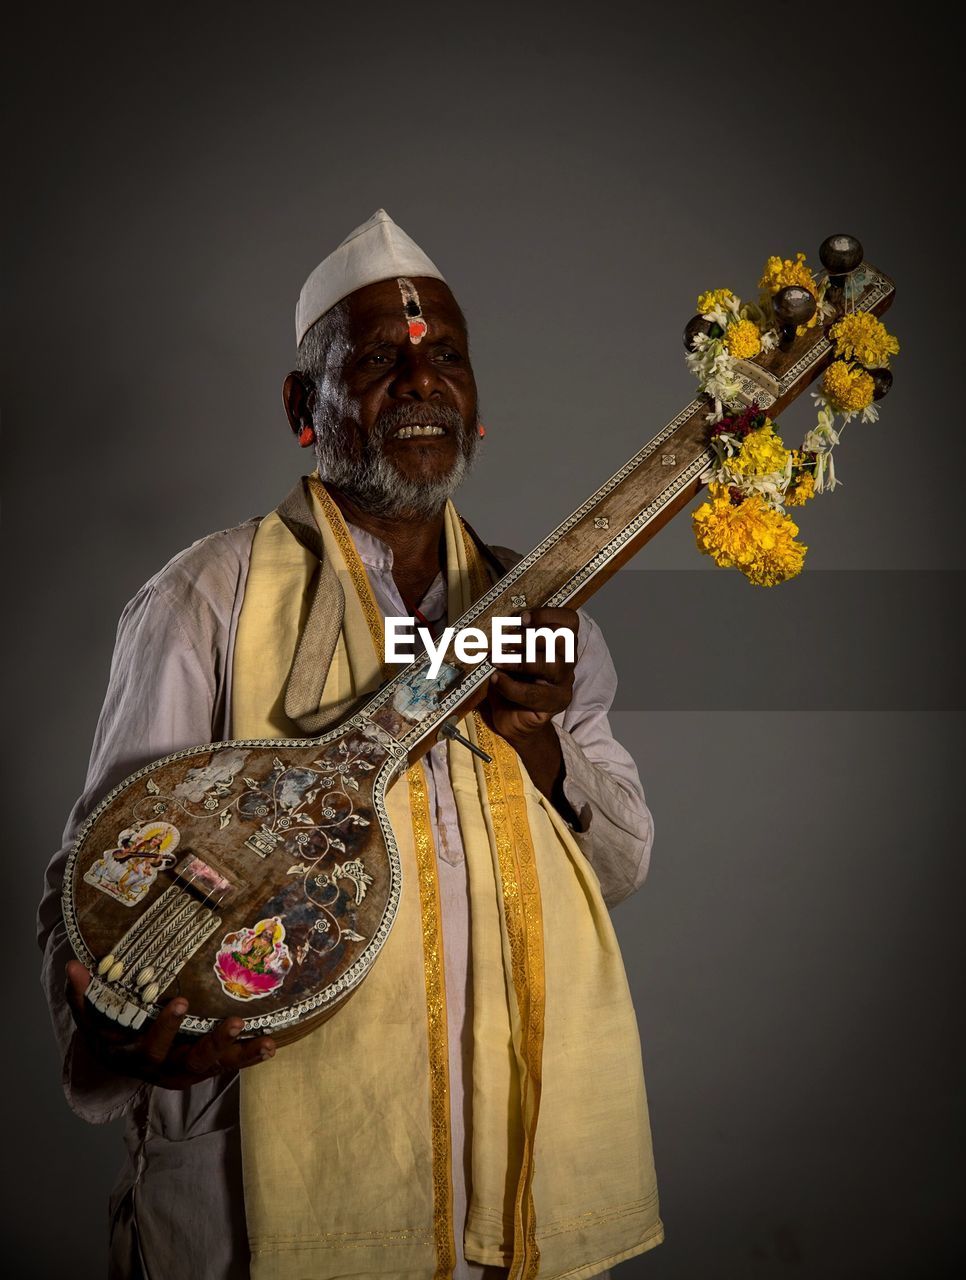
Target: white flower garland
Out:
[718,377]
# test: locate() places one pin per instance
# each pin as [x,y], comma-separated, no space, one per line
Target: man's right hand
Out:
[156,1054]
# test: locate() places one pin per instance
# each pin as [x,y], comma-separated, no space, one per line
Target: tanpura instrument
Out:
[261,878]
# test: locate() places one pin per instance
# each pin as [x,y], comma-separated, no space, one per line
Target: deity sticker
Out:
[252,963]
[128,871]
[418,328]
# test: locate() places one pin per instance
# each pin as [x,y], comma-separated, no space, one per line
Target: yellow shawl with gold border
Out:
[345,1134]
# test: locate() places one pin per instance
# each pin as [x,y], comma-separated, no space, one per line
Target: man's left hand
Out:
[524,696]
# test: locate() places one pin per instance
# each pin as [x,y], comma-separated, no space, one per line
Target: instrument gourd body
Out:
[257,879]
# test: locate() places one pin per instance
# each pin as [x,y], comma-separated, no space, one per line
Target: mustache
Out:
[408,415]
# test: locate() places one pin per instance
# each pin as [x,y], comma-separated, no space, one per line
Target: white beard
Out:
[374,482]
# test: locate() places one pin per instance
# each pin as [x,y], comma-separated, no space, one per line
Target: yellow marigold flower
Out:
[801,490]
[847,387]
[743,339]
[860,336]
[780,272]
[749,536]
[714,298]
[761,453]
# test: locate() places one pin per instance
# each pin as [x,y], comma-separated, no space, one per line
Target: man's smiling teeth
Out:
[407,433]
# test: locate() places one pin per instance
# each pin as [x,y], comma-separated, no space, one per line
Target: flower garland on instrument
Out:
[743,523]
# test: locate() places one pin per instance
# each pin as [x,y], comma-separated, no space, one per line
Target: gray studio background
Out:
[579,174]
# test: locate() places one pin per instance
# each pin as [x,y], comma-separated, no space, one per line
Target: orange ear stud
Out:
[306,436]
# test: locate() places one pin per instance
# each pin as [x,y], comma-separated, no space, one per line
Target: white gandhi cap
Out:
[378,250]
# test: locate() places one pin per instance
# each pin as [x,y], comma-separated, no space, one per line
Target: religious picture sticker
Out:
[252,963]
[128,871]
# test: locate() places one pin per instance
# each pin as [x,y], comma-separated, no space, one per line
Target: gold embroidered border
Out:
[433,968]
[524,917]
[524,922]
[429,907]
[356,568]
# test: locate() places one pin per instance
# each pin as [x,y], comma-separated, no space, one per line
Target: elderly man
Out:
[453,1118]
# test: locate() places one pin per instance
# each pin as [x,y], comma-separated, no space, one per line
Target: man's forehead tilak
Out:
[418,328]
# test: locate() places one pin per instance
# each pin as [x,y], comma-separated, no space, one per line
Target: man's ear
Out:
[297,398]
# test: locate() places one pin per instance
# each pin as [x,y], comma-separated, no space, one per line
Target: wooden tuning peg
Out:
[793,306]
[840,256]
[696,325]
[882,381]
